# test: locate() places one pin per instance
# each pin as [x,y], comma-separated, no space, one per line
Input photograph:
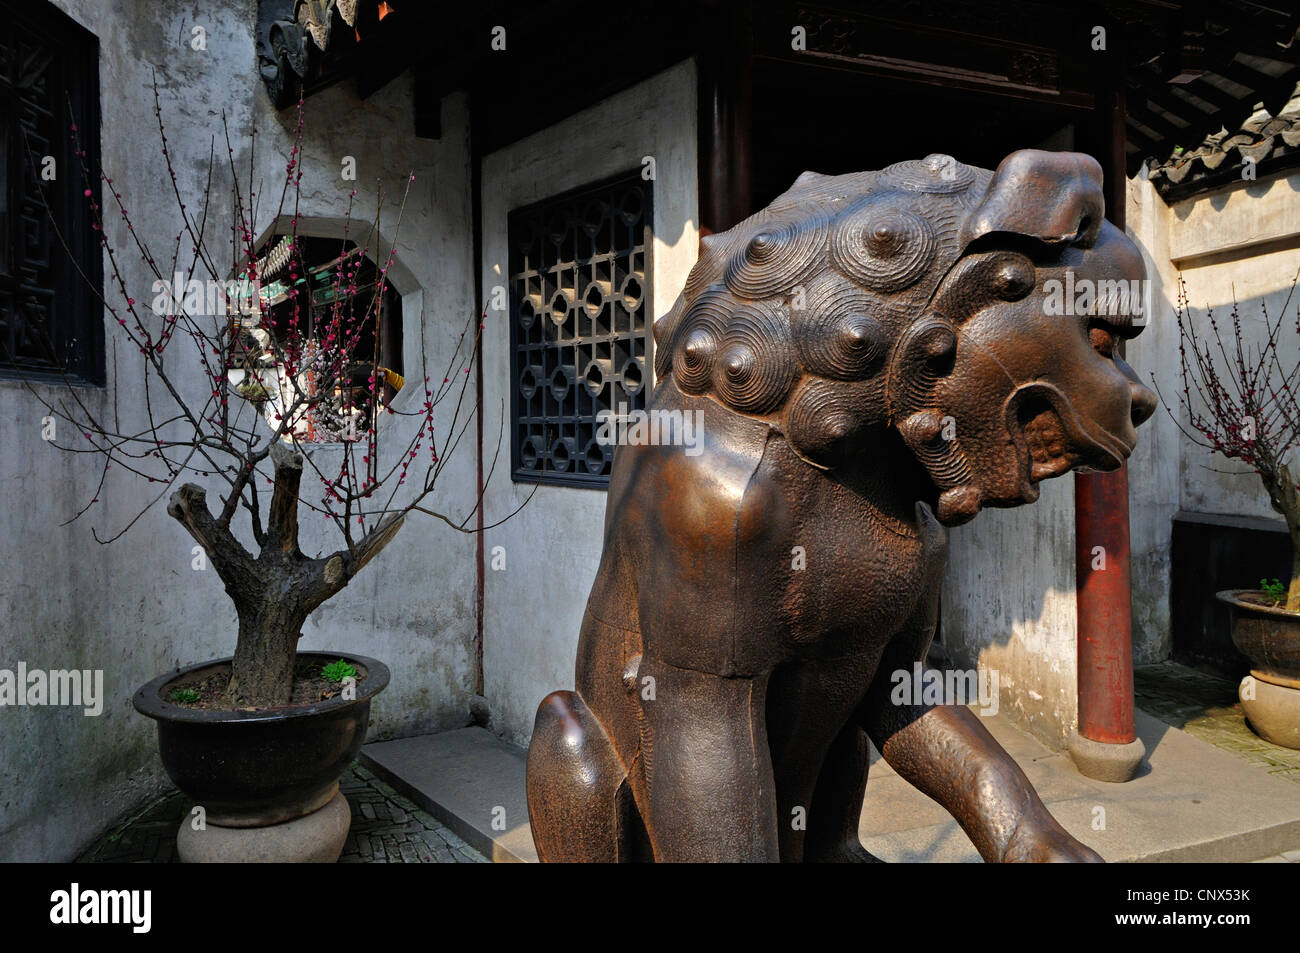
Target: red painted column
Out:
[1106,745]
[1105,625]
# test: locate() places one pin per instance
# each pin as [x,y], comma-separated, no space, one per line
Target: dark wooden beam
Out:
[1160,94]
[725,117]
[1146,145]
[1203,89]
[1177,135]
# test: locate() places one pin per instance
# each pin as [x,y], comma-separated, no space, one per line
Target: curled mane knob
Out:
[883,246]
[823,418]
[696,341]
[664,330]
[936,173]
[837,335]
[754,368]
[778,256]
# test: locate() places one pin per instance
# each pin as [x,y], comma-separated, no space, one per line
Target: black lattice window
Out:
[579,310]
[51,322]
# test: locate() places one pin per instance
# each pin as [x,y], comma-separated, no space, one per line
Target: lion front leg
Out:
[577,802]
[709,789]
[947,754]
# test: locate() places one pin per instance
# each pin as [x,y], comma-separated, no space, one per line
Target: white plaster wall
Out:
[136,608]
[533,608]
[1008,606]
[1153,468]
[1232,243]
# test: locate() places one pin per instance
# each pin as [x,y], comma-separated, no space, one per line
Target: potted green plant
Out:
[258,739]
[1239,400]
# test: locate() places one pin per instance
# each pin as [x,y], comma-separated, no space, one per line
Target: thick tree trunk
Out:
[262,672]
[1285,499]
[275,592]
[1282,493]
[1293,591]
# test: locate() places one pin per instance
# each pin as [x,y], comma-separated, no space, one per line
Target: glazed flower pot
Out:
[263,768]
[1270,637]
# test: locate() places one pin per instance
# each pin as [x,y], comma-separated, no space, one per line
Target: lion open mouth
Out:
[1053,439]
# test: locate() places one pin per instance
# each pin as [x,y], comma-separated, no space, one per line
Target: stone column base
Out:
[315,838]
[1105,762]
[1272,710]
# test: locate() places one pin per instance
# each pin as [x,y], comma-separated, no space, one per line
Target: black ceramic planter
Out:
[254,768]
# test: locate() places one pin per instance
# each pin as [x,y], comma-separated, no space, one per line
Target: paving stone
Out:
[386,828]
[452,839]
[392,848]
[433,839]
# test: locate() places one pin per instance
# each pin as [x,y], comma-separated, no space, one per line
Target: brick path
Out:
[1206,706]
[386,828]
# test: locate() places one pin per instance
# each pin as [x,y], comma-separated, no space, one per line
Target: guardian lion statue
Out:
[874,361]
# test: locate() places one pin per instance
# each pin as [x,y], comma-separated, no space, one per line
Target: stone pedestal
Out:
[1104,761]
[315,838]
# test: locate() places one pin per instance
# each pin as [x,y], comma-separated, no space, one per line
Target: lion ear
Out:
[1055,197]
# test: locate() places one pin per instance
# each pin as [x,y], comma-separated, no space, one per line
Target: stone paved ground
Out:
[386,828]
[1206,707]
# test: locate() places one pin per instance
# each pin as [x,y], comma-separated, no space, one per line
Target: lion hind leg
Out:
[577,793]
[837,802]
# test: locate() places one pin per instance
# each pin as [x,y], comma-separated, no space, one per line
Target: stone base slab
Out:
[1105,762]
[316,838]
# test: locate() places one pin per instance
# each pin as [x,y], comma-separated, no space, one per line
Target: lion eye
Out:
[1102,340]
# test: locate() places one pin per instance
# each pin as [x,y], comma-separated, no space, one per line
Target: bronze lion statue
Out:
[873,360]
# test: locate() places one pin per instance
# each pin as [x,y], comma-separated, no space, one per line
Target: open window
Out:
[322,339]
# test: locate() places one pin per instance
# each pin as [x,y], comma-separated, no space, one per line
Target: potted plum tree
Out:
[250,396]
[1239,399]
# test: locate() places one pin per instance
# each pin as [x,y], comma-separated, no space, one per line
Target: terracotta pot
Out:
[1270,638]
[257,768]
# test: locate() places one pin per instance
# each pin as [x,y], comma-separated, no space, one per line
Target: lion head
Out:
[926,298]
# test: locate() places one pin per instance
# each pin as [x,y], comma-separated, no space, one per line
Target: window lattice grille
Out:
[579,309]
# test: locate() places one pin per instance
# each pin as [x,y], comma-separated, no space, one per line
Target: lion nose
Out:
[1143,404]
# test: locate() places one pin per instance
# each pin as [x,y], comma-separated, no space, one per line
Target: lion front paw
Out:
[1045,842]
